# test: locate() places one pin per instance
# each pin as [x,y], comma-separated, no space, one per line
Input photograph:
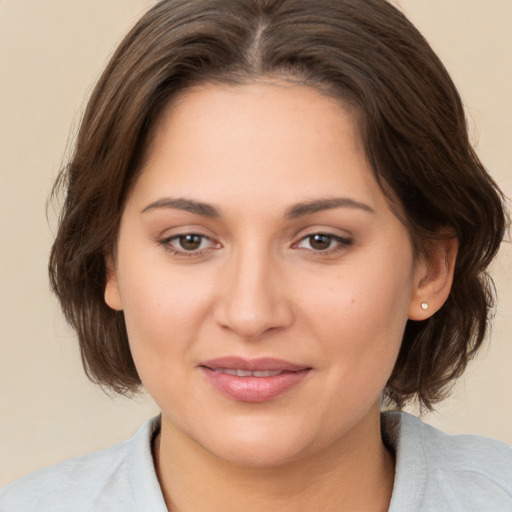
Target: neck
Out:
[355,473]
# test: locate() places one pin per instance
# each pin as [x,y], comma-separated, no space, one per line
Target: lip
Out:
[251,388]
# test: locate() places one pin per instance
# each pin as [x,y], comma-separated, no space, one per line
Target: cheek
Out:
[163,313]
[361,316]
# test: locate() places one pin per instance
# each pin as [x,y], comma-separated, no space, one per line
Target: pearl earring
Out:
[424,306]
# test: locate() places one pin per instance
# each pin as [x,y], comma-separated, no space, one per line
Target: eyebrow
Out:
[187,205]
[295,211]
[318,205]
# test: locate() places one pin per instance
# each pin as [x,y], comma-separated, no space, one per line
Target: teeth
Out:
[267,373]
[229,372]
[247,373]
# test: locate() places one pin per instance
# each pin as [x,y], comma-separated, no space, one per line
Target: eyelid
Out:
[343,242]
[183,235]
[170,241]
[166,242]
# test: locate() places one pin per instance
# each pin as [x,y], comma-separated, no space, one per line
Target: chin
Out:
[256,453]
[259,442]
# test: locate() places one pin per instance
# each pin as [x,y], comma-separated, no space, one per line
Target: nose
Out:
[253,300]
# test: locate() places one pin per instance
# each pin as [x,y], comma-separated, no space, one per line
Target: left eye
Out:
[322,242]
[189,242]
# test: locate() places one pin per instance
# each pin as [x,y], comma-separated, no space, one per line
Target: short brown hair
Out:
[411,119]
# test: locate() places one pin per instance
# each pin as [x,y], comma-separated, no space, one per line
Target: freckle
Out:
[353,301]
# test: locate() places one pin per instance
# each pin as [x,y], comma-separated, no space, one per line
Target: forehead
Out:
[219,132]
[277,105]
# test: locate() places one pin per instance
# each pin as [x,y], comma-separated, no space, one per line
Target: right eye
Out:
[188,244]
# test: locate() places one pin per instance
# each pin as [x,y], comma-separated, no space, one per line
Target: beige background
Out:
[51,51]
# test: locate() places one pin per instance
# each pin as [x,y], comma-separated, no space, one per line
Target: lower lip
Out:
[254,389]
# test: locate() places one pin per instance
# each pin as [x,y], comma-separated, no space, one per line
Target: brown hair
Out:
[411,120]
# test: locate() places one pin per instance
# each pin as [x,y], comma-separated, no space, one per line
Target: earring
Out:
[424,306]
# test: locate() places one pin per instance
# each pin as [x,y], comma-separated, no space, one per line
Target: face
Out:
[264,279]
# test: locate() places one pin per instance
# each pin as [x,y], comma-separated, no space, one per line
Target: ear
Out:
[433,277]
[112,295]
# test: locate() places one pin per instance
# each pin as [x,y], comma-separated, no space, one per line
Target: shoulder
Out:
[68,484]
[461,453]
[99,481]
[461,472]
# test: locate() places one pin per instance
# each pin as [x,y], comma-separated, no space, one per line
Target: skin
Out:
[258,286]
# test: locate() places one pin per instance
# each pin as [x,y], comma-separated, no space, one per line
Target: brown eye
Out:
[323,243]
[320,242]
[190,242]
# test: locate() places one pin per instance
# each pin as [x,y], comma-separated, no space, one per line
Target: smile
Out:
[256,380]
[248,373]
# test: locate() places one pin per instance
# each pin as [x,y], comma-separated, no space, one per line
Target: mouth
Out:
[255,380]
[247,373]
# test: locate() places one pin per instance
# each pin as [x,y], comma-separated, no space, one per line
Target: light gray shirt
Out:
[434,472]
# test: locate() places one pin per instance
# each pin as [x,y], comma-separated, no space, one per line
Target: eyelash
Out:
[167,244]
[341,244]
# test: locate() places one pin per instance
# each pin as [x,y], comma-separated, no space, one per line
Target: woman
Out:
[274,222]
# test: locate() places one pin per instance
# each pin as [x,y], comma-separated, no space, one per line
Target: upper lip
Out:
[253,365]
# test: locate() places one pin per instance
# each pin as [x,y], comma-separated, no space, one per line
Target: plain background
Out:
[51,52]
